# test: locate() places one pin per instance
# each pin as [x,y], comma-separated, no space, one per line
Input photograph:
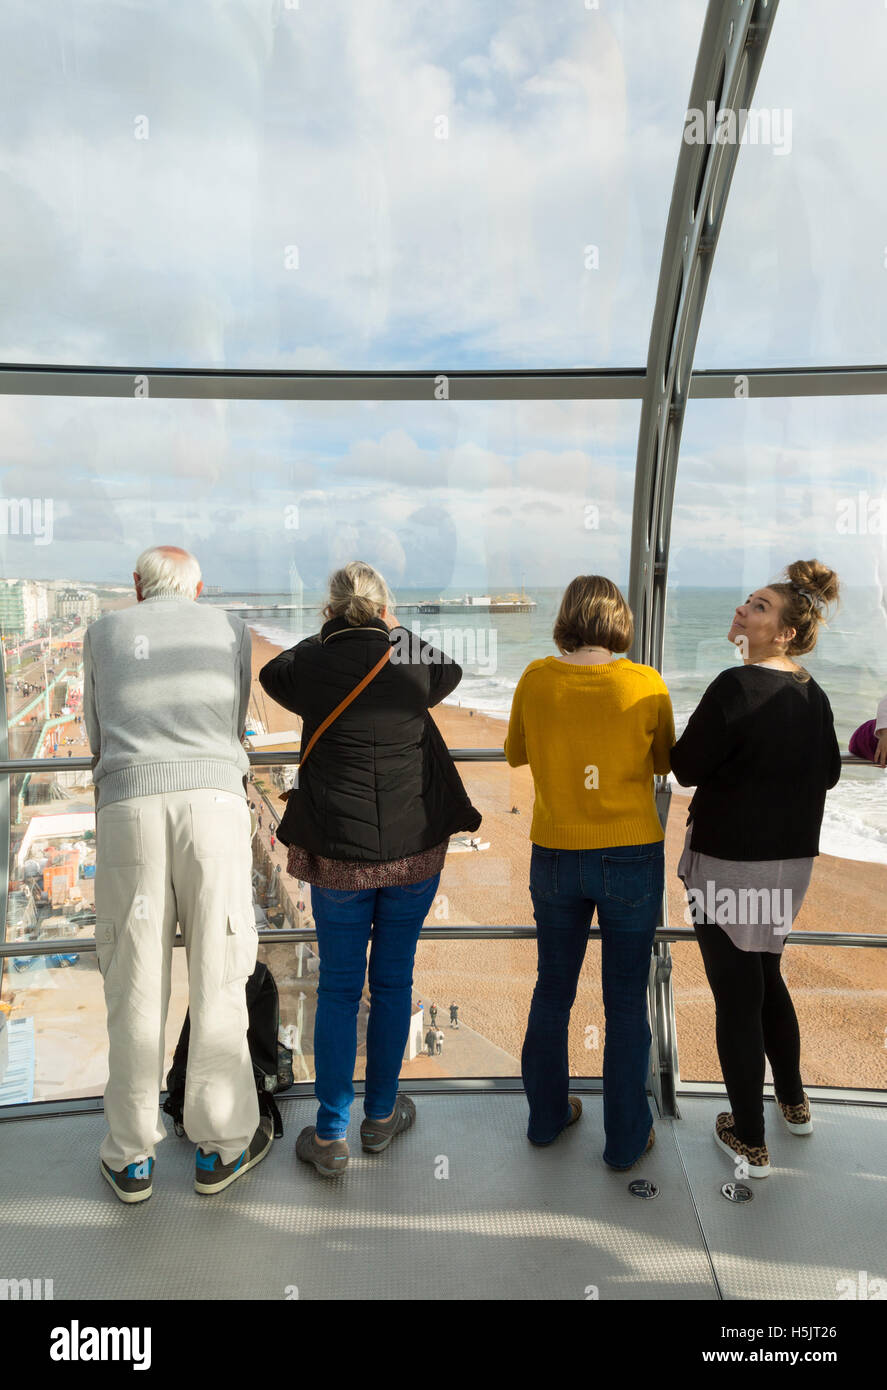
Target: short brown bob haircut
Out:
[593,613]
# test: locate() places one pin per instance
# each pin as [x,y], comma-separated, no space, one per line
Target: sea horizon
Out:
[851,671]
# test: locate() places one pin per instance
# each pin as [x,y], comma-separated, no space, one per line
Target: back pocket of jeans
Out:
[336,895]
[414,890]
[543,870]
[628,880]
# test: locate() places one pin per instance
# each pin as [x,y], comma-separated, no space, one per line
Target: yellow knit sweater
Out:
[593,736]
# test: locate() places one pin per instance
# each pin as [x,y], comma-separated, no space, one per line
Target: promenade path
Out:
[466,1053]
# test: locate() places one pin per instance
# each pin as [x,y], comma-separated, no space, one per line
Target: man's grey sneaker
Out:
[330,1160]
[134,1183]
[212,1175]
[376,1135]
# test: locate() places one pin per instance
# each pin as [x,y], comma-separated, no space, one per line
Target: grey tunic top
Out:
[754,901]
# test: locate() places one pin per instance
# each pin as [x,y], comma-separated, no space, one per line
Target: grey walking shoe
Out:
[134,1183]
[212,1175]
[376,1135]
[329,1159]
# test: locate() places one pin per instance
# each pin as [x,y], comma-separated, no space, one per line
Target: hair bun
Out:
[814,580]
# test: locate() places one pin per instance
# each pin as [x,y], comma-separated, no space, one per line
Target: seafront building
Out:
[77,603]
[23,607]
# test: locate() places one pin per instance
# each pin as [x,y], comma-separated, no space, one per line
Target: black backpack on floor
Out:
[272,1062]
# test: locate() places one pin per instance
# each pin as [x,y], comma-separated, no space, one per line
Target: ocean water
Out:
[850,663]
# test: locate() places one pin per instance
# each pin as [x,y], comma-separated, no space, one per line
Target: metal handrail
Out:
[57,945]
[12,766]
[61,945]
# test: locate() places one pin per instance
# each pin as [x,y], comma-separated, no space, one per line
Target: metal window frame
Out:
[553,384]
[731,53]
[732,46]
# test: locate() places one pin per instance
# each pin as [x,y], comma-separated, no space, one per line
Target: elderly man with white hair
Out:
[166,686]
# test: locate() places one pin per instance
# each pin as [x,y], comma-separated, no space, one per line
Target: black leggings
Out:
[755,1015]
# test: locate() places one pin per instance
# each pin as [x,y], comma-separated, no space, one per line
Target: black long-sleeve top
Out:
[761,750]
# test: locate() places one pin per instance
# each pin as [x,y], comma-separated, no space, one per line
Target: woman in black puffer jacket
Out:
[367,825]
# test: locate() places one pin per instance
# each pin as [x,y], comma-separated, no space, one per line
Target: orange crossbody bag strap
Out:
[344,705]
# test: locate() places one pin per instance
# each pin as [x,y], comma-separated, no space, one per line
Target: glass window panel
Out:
[762,483]
[56,1040]
[56,1047]
[800,273]
[448,498]
[352,185]
[492,983]
[840,998]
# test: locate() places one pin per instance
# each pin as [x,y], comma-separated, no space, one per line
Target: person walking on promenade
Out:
[454,1015]
[594,729]
[166,684]
[367,825]
[439,1041]
[431,1041]
[761,751]
[432,1014]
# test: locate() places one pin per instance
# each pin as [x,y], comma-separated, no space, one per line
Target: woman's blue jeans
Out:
[625,884]
[391,919]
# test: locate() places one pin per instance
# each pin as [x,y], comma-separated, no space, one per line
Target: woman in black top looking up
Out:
[761,751]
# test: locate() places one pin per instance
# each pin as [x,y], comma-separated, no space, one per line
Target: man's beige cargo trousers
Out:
[176,856]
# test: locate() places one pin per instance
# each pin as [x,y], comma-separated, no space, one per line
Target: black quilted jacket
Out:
[379,783]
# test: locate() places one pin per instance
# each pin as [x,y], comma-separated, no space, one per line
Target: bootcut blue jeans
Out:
[625,884]
[391,920]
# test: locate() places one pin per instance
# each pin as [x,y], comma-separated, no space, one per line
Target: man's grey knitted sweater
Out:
[165,691]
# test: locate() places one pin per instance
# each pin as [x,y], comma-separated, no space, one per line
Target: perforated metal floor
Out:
[821,1216]
[508,1222]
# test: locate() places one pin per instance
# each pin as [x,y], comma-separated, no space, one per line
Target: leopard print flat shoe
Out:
[798,1117]
[756,1158]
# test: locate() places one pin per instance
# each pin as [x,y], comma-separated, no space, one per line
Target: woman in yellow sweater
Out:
[593,729]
